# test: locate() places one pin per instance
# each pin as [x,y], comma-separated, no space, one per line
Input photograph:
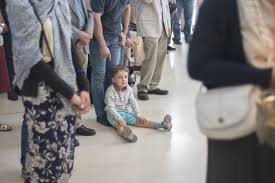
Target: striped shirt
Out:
[120,101]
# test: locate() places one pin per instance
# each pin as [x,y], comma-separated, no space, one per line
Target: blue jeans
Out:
[24,142]
[187,7]
[101,77]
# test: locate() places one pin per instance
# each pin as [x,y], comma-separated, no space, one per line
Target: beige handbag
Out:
[227,113]
[266,118]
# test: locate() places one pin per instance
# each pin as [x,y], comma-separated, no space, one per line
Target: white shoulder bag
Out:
[227,113]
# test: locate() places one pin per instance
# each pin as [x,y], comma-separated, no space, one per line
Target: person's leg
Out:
[161,54]
[83,58]
[50,152]
[166,124]
[266,164]
[170,48]
[233,160]
[80,128]
[121,59]
[24,143]
[138,50]
[115,50]
[176,26]
[150,46]
[12,95]
[97,79]
[188,17]
[123,131]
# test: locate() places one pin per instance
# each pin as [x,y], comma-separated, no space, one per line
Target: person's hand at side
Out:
[85,100]
[76,102]
[105,52]
[84,37]
[122,39]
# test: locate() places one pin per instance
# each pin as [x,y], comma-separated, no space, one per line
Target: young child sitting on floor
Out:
[122,108]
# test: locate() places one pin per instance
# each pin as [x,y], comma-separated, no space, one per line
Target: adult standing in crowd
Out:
[4,78]
[12,95]
[173,10]
[82,20]
[187,7]
[228,48]
[48,81]
[106,47]
[154,26]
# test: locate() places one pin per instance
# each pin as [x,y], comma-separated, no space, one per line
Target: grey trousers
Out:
[155,50]
[83,58]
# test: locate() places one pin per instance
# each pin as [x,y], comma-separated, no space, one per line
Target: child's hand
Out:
[121,122]
[141,120]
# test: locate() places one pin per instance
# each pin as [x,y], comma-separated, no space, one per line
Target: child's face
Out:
[120,80]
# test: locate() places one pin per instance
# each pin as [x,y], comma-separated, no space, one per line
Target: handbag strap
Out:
[42,30]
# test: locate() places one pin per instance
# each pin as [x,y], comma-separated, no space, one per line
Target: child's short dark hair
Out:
[119,68]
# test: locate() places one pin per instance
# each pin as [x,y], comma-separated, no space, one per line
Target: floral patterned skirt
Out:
[51,126]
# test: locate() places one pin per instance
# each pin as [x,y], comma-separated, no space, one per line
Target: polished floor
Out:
[178,156]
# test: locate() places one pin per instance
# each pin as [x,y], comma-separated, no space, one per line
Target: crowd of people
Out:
[64,39]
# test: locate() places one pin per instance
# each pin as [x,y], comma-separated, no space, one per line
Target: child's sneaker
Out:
[167,124]
[127,133]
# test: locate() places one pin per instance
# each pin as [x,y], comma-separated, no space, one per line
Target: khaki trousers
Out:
[155,50]
[83,58]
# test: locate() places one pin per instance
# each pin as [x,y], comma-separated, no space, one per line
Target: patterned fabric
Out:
[258,35]
[120,101]
[26,30]
[51,127]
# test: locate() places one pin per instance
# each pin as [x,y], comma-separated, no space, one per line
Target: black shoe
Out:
[177,41]
[103,121]
[170,48]
[84,131]
[142,95]
[76,143]
[12,95]
[188,39]
[158,92]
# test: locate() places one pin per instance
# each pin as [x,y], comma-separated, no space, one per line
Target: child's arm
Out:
[110,104]
[132,100]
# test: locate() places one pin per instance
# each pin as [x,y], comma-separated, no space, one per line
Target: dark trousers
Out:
[240,161]
[8,52]
[24,141]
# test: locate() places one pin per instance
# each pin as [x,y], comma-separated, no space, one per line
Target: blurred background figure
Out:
[4,78]
[186,7]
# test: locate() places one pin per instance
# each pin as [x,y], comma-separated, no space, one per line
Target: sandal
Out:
[167,124]
[5,127]
[127,133]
